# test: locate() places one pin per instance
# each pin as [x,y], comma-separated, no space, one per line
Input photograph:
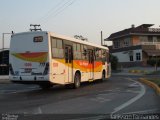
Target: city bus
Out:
[46,58]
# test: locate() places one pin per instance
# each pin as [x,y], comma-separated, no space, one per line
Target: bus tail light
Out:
[46,70]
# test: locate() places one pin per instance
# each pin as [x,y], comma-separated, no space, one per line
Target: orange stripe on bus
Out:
[32,57]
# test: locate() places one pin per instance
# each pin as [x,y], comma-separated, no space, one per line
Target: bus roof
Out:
[63,37]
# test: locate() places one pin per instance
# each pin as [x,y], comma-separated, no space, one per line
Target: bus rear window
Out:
[38,39]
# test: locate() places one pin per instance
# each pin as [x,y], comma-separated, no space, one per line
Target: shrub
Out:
[114,62]
[153,61]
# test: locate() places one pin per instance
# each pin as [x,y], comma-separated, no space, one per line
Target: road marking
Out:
[17,91]
[100,117]
[134,85]
[132,91]
[34,111]
[126,104]
[100,99]
[113,90]
[39,111]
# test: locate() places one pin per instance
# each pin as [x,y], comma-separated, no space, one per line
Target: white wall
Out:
[125,56]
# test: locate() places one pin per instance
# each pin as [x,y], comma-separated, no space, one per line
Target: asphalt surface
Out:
[118,95]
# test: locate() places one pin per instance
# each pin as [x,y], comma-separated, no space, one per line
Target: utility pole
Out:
[35,27]
[101,38]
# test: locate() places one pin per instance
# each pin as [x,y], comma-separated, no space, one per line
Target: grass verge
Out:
[155,80]
[152,83]
[154,73]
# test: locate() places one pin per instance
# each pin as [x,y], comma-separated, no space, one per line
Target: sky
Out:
[76,17]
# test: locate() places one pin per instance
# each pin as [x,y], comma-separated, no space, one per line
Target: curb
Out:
[5,81]
[137,71]
[151,84]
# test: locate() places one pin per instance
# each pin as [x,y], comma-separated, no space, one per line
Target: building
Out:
[4,62]
[136,45]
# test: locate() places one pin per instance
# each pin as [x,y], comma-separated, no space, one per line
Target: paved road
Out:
[118,95]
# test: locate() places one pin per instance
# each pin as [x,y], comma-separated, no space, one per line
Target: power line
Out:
[51,10]
[59,10]
[64,8]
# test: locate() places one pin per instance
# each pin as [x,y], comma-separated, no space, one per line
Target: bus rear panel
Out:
[29,58]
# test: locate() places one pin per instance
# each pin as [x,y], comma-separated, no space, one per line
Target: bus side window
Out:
[85,52]
[70,55]
[77,51]
[74,50]
[104,56]
[98,54]
[57,48]
[107,57]
[91,56]
[66,54]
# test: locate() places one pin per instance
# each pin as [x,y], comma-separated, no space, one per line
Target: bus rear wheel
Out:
[77,80]
[103,76]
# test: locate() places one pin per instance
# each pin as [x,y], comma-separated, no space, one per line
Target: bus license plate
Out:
[27,70]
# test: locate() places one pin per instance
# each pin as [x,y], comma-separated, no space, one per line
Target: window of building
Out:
[116,44]
[126,42]
[138,56]
[131,58]
[143,39]
[57,48]
[150,38]
[158,39]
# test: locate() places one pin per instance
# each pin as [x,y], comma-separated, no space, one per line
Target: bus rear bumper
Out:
[32,82]
[29,79]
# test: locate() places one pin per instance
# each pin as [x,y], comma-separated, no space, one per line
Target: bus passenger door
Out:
[69,64]
[91,64]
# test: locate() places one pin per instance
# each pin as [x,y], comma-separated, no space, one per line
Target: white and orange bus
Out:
[46,58]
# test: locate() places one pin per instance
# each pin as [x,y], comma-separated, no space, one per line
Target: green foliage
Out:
[153,61]
[156,80]
[114,62]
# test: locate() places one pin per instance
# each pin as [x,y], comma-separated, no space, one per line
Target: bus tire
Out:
[77,80]
[103,75]
[46,86]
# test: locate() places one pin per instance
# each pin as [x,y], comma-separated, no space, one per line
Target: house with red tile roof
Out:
[136,45]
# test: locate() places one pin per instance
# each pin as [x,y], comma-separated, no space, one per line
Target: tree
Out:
[114,62]
[80,37]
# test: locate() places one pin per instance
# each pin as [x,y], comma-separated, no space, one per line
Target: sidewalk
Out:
[4,79]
